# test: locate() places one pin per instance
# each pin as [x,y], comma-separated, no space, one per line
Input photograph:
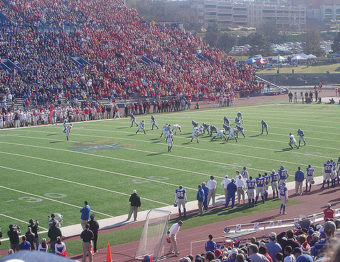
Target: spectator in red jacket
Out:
[328,212]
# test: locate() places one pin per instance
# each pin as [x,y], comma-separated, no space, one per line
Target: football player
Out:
[195,134]
[310,178]
[170,141]
[68,131]
[283,197]
[292,141]
[327,170]
[133,120]
[240,129]
[219,133]
[180,200]
[283,175]
[232,132]
[251,191]
[141,127]
[226,121]
[175,128]
[65,125]
[260,183]
[264,126]
[194,123]
[213,129]
[274,178]
[239,116]
[301,137]
[153,120]
[206,127]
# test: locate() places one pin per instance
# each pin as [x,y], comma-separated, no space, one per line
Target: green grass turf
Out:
[42,173]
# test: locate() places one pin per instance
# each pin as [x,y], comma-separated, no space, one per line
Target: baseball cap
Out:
[134,191]
[329,227]
[234,251]
[218,253]
[185,259]
[226,176]
[272,235]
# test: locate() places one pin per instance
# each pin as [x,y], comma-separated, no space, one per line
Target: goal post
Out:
[153,235]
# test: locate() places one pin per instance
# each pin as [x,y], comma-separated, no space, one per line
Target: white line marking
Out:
[17,219]
[50,199]
[77,183]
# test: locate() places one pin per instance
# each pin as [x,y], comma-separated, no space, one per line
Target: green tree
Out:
[212,34]
[226,42]
[312,39]
[259,45]
[336,43]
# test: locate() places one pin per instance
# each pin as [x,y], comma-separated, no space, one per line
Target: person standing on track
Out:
[225,183]
[174,229]
[212,190]
[94,227]
[135,203]
[87,236]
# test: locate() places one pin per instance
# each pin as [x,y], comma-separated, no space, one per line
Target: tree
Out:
[212,34]
[312,39]
[226,42]
[259,45]
[336,43]
[270,32]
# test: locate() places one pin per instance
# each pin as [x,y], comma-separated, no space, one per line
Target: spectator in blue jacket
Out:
[200,199]
[206,193]
[210,245]
[85,214]
[232,188]
[273,247]
[321,246]
[299,178]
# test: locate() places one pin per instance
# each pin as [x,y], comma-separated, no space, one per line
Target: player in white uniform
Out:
[195,134]
[221,134]
[141,127]
[175,128]
[292,141]
[64,125]
[170,141]
[165,130]
[68,131]
[232,132]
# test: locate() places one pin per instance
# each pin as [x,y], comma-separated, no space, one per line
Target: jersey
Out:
[264,124]
[274,177]
[213,129]
[64,123]
[68,129]
[260,181]
[239,115]
[170,138]
[175,127]
[153,119]
[328,168]
[141,125]
[292,139]
[300,132]
[205,126]
[251,184]
[310,172]
[240,128]
[283,191]
[226,120]
[267,179]
[232,132]
[180,193]
[194,123]
[226,127]
[283,174]
[196,131]
[132,116]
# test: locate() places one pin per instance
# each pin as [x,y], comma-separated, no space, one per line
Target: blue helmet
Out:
[282,167]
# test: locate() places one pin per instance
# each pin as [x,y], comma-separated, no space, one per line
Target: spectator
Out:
[279,257]
[43,245]
[291,241]
[321,246]
[13,235]
[135,203]
[300,257]
[30,237]
[240,258]
[328,212]
[94,227]
[254,255]
[53,219]
[60,248]
[273,247]
[53,233]
[299,178]
[25,245]
[85,214]
[87,236]
[33,224]
[210,256]
[289,257]
[263,251]
[210,245]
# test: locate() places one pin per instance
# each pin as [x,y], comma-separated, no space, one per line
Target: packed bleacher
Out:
[92,50]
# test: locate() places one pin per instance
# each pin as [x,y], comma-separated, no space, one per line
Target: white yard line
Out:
[77,183]
[91,168]
[22,221]
[50,199]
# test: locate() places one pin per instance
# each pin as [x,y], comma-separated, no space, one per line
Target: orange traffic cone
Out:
[108,253]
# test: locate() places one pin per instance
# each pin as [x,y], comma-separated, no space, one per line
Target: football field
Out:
[42,173]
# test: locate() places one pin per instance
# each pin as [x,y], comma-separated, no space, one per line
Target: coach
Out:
[299,178]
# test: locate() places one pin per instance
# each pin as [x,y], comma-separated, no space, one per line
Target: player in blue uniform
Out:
[338,172]
[251,191]
[68,131]
[133,119]
[301,137]
[283,191]
[226,128]
[240,129]
[213,129]
[194,123]
[274,179]
[283,174]
[153,120]
[206,127]
[310,178]
[264,126]
[239,116]
[327,170]
[260,183]
[333,173]
[226,121]
[237,121]
[180,200]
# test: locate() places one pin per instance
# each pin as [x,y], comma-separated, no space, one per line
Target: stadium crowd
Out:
[76,50]
[307,242]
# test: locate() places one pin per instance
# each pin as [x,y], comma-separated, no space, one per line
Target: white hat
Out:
[272,235]
[134,191]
